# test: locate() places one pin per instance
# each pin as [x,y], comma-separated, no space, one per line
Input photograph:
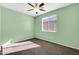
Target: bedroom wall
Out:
[67,32]
[0,27]
[15,26]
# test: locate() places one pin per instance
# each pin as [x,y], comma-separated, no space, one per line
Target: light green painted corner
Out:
[15,26]
[67,27]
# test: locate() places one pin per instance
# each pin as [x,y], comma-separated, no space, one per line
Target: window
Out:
[49,24]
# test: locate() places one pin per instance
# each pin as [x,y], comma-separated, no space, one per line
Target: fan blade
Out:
[41,4]
[42,10]
[36,12]
[29,9]
[30,4]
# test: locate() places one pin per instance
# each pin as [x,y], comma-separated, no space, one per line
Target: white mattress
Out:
[15,44]
[19,47]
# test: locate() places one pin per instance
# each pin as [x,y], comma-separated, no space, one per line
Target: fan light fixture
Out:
[36,7]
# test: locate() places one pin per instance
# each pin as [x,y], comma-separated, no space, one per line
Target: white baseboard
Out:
[59,43]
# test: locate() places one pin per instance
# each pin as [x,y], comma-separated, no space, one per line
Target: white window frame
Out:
[43,19]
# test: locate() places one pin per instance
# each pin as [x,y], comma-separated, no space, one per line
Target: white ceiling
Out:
[23,7]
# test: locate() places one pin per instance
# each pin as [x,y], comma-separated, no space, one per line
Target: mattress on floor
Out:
[18,47]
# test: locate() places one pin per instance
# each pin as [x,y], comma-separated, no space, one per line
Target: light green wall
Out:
[0,23]
[15,26]
[67,27]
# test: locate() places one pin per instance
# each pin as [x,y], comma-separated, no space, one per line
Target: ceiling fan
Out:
[36,7]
